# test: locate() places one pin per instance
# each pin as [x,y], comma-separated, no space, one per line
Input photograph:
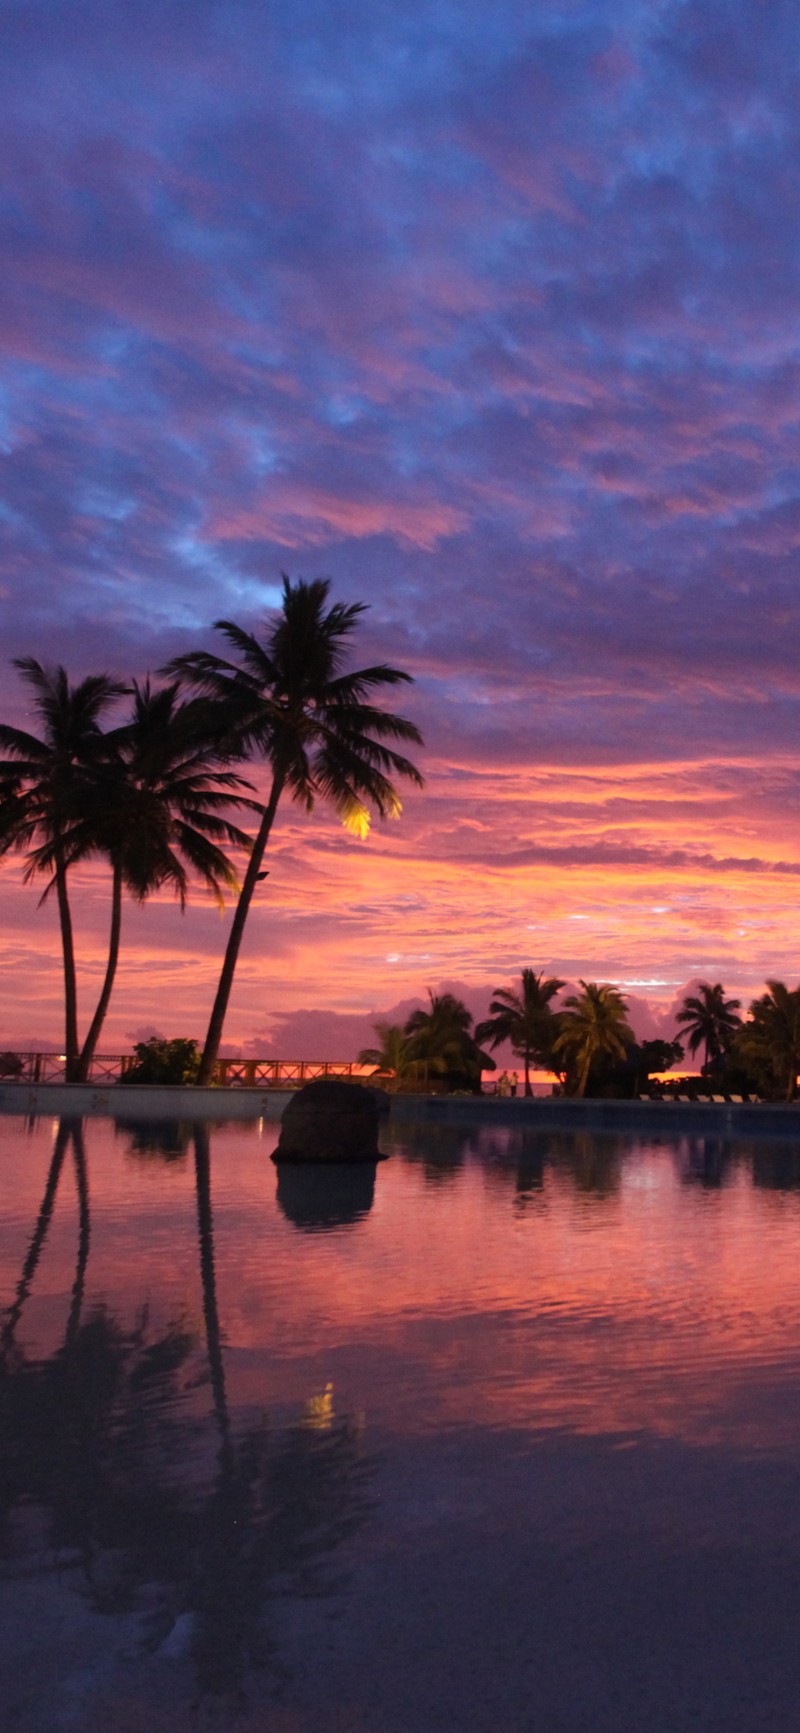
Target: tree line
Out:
[588,1042]
[157,797]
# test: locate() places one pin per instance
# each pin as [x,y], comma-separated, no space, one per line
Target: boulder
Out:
[329,1120]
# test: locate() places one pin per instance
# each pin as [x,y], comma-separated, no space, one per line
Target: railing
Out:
[18,1067]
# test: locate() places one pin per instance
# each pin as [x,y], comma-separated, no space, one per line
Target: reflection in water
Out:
[706,1161]
[440,1150]
[593,1163]
[513,1155]
[504,1320]
[38,1236]
[777,1167]
[162,1139]
[316,1196]
[101,1438]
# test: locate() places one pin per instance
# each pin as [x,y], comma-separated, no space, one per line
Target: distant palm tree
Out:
[157,807]
[44,785]
[287,700]
[710,1020]
[525,1019]
[440,1040]
[770,1039]
[593,1026]
[391,1057]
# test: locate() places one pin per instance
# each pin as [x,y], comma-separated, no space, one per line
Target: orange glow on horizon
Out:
[648,875]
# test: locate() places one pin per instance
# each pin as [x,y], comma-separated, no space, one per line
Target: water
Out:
[503,1433]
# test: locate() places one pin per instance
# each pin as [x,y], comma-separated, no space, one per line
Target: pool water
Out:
[503,1433]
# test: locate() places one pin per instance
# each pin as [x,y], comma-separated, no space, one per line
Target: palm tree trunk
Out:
[70,981]
[528,1089]
[220,1006]
[583,1076]
[90,1044]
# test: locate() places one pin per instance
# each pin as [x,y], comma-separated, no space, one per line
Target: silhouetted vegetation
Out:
[287,702]
[149,796]
[525,1019]
[160,1061]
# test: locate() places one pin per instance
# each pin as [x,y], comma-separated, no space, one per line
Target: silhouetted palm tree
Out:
[156,810]
[593,1026]
[441,1041]
[392,1056]
[710,1020]
[44,783]
[770,1039]
[288,701]
[525,1019]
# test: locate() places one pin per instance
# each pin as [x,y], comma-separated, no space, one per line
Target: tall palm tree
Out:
[593,1026]
[157,809]
[441,1041]
[525,1019]
[770,1039]
[288,701]
[43,788]
[710,1020]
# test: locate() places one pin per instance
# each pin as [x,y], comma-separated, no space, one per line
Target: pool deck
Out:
[548,1113]
[559,1113]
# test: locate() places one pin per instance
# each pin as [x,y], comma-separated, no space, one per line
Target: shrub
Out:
[159,1061]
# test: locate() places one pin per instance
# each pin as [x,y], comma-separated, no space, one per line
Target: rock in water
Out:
[329,1120]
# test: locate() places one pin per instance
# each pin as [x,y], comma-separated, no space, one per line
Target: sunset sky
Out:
[489,315]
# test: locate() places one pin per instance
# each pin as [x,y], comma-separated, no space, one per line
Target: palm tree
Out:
[525,1019]
[441,1040]
[710,1020]
[392,1056]
[287,700]
[770,1039]
[43,789]
[157,808]
[593,1026]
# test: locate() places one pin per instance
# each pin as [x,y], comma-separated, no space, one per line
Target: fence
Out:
[230,1073]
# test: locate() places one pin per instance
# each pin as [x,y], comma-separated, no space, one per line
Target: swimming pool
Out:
[502,1433]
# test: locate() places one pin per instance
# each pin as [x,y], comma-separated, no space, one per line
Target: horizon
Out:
[492,321]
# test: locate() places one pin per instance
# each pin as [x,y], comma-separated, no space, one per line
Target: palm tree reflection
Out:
[38,1237]
[103,1436]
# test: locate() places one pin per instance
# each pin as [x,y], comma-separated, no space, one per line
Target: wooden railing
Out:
[228,1073]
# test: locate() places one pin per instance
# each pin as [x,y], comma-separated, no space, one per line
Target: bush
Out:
[159,1061]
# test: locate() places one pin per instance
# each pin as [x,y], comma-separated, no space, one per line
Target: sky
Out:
[489,316]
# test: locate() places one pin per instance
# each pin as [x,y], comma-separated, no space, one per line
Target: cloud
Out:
[491,319]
